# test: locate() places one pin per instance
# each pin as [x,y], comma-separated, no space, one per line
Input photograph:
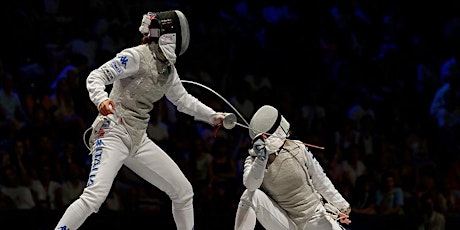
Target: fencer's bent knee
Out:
[250,198]
[93,200]
[184,196]
[246,196]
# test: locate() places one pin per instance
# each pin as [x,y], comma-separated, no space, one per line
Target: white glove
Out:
[336,214]
[218,118]
[259,149]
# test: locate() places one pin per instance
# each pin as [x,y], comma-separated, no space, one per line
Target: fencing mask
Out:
[269,124]
[167,27]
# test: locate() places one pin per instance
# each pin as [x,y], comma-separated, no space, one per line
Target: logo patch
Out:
[124,61]
[116,67]
[107,73]
[97,156]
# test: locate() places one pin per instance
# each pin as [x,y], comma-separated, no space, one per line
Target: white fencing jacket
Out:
[139,79]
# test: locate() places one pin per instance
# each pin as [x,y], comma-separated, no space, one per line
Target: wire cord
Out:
[225,100]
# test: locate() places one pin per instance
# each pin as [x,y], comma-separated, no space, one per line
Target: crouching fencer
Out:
[286,187]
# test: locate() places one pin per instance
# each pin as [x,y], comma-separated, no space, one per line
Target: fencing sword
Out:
[230,120]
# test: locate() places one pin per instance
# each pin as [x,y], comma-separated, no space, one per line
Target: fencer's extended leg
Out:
[156,167]
[108,156]
[268,213]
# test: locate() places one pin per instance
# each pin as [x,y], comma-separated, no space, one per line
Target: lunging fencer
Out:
[286,187]
[140,76]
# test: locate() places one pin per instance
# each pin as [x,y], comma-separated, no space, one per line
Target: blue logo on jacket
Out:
[124,61]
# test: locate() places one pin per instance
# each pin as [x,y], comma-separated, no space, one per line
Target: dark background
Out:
[321,58]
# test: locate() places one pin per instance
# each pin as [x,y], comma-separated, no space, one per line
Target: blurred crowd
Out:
[377,84]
